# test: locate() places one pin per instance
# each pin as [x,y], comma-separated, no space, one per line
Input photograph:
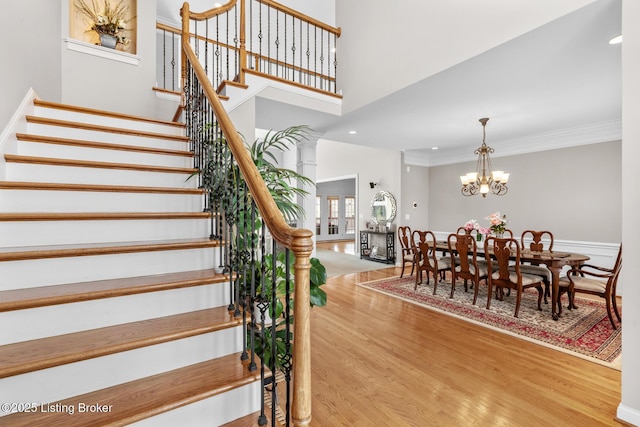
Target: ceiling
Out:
[557,85]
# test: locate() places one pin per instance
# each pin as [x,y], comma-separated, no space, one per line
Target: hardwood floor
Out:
[380,361]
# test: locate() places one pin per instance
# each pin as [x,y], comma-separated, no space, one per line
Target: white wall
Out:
[337,160]
[629,409]
[103,83]
[30,58]
[414,199]
[573,192]
[421,38]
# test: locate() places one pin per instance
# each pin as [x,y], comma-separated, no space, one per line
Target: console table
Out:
[378,246]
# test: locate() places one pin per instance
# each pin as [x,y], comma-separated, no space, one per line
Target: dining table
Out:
[553,260]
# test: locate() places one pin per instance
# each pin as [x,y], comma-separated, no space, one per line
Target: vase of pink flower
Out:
[498,224]
[472,225]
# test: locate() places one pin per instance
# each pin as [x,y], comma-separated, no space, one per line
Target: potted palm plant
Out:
[225,186]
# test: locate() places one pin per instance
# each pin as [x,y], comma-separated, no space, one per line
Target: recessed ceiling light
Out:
[616,40]
[352,132]
[434,148]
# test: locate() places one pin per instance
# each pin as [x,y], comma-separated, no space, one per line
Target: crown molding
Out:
[562,138]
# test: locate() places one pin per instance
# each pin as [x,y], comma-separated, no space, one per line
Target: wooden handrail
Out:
[282,8]
[201,16]
[298,240]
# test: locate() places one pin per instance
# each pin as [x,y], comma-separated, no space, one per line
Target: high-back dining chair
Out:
[406,248]
[540,241]
[600,281]
[502,277]
[465,263]
[427,259]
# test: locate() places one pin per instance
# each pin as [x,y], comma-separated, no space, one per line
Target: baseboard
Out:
[17,123]
[627,415]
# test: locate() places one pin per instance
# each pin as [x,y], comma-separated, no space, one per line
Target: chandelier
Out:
[484,179]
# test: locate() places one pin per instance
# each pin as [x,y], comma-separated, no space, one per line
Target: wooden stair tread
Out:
[251,420]
[53,161]
[33,355]
[19,299]
[68,107]
[87,249]
[100,145]
[101,128]
[60,186]
[143,398]
[99,216]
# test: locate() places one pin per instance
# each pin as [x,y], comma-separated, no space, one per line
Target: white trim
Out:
[167,96]
[17,124]
[338,178]
[103,52]
[563,138]
[628,415]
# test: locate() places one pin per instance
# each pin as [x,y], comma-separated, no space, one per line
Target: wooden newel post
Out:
[301,404]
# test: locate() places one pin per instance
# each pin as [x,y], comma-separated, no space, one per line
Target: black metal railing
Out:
[259,273]
[286,44]
[256,36]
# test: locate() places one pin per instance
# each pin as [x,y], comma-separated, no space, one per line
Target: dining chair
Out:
[502,277]
[539,241]
[466,266]
[595,280]
[427,259]
[406,248]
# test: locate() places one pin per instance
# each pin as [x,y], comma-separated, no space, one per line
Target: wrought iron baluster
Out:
[335,63]
[321,58]
[277,43]
[315,56]
[174,76]
[273,366]
[288,357]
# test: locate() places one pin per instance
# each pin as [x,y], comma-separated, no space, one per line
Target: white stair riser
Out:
[41,322]
[59,151]
[214,411]
[82,175]
[74,116]
[38,233]
[64,381]
[56,271]
[90,201]
[113,138]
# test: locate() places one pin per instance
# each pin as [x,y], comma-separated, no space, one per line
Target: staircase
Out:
[110,309]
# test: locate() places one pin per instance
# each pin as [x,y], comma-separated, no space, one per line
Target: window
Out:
[333,204]
[350,214]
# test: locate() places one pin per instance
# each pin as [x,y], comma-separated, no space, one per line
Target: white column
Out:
[629,408]
[307,166]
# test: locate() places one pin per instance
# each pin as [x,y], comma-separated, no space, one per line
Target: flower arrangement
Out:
[108,20]
[498,223]
[472,225]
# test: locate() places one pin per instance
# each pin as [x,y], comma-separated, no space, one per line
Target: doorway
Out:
[336,211]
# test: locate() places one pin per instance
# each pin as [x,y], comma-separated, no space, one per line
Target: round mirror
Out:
[383,208]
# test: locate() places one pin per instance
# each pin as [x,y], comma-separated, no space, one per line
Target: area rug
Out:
[585,332]
[338,263]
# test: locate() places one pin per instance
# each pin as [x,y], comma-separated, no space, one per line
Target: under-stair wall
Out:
[108,295]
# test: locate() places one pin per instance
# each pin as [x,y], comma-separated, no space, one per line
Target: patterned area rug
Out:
[585,332]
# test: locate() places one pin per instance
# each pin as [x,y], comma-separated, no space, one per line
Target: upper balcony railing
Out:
[260,37]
